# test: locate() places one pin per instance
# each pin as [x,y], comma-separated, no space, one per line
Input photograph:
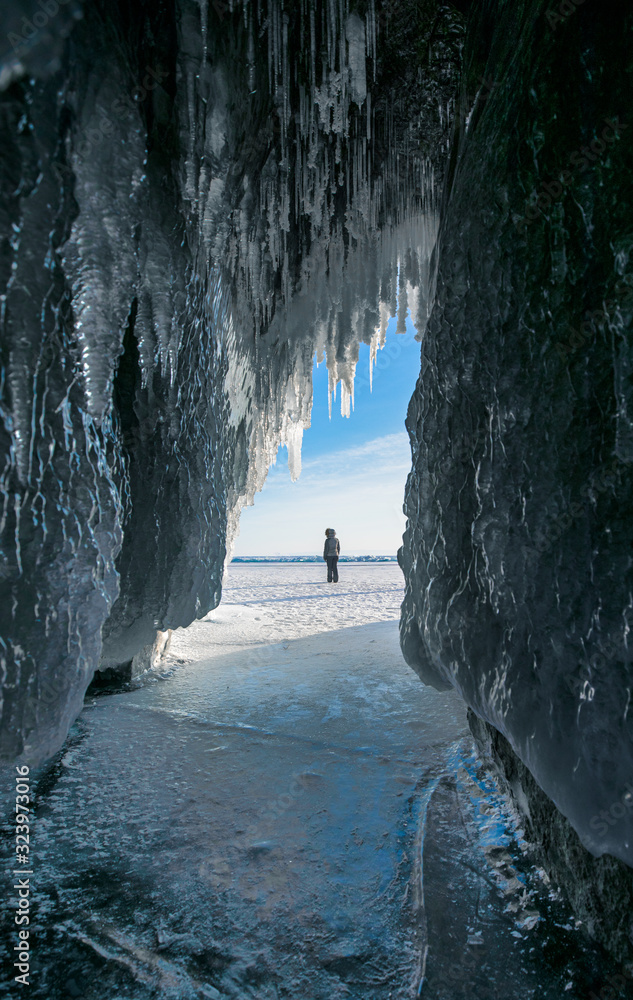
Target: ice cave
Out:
[197,198]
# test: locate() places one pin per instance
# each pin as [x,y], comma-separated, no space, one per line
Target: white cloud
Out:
[359,491]
[386,448]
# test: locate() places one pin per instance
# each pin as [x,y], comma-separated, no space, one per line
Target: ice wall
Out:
[517,554]
[197,197]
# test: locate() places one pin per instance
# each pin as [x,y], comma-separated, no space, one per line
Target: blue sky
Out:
[353,469]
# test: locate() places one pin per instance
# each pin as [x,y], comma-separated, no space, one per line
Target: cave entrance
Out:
[305,748]
[281,808]
[354,467]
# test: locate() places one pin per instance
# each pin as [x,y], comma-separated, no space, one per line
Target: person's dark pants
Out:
[332,569]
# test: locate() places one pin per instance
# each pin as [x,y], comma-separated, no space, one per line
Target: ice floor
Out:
[284,810]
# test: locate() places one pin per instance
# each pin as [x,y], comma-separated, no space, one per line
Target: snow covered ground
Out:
[277,602]
[284,810]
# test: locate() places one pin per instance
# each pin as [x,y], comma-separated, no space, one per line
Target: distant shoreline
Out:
[311,559]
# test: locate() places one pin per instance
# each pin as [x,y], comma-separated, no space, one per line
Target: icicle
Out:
[346,397]
[294,440]
[204,21]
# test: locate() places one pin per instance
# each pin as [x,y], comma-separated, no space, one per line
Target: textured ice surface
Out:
[262,600]
[517,553]
[291,815]
[197,199]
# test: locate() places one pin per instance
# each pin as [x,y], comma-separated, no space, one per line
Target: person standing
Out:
[331,551]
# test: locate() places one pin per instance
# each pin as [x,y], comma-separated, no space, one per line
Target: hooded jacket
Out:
[332,546]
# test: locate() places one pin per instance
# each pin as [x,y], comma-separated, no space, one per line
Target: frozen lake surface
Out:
[284,810]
